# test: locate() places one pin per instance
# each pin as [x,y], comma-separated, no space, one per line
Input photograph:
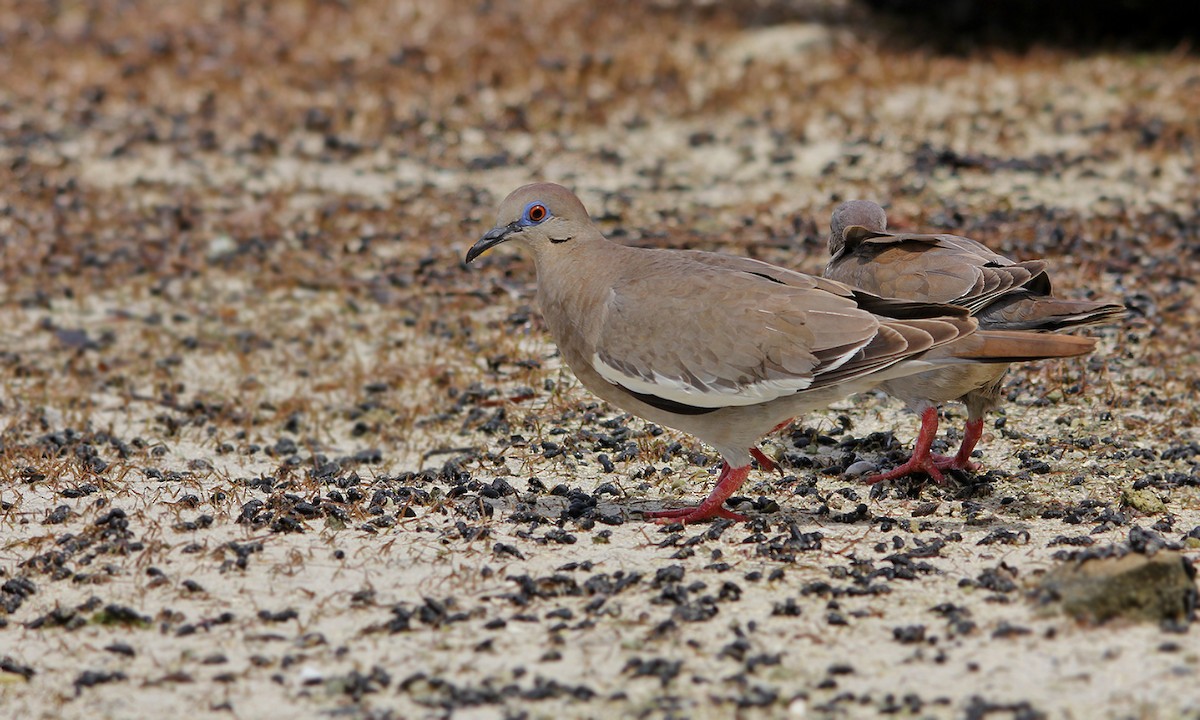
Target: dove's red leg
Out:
[765,462]
[962,460]
[713,506]
[922,458]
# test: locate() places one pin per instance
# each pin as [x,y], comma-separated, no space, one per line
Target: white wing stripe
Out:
[684,393]
[842,359]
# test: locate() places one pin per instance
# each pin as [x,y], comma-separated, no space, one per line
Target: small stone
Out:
[1143,500]
[1135,587]
[221,246]
[862,467]
[310,676]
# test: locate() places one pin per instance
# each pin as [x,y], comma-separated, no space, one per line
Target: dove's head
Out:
[863,213]
[540,216]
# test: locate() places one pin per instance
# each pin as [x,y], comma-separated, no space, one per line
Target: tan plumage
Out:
[1000,293]
[720,347]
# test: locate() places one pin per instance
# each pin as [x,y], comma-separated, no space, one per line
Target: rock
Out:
[1135,587]
[861,467]
[310,675]
[220,247]
[1144,501]
[793,41]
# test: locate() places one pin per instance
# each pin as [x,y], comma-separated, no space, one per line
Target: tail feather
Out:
[1048,314]
[1006,346]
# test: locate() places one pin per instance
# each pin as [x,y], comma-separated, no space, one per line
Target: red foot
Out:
[931,463]
[765,462]
[962,459]
[971,434]
[922,459]
[691,515]
[731,479]
[914,465]
[944,462]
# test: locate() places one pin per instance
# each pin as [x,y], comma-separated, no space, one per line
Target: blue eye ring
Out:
[535,213]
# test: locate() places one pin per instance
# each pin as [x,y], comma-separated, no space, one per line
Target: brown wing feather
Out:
[768,324]
[937,268]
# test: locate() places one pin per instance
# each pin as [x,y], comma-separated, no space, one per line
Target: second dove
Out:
[1001,294]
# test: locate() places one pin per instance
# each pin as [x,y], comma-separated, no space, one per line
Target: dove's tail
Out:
[1006,346]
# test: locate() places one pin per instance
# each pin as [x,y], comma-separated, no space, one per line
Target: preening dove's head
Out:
[863,213]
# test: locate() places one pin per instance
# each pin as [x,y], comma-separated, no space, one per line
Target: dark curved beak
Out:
[494,237]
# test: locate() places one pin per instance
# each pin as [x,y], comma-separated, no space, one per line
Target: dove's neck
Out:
[575,286]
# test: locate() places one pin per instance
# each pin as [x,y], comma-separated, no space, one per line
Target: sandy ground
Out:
[268,449]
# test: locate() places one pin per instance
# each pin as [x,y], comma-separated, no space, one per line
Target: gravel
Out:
[269,449]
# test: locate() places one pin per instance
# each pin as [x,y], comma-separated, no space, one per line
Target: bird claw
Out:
[691,515]
[713,506]
[930,463]
[765,462]
[933,465]
[914,465]
[945,462]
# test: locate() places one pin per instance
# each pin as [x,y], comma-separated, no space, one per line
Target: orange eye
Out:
[536,213]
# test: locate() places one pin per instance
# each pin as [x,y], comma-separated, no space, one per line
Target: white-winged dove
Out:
[1000,293]
[725,348]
